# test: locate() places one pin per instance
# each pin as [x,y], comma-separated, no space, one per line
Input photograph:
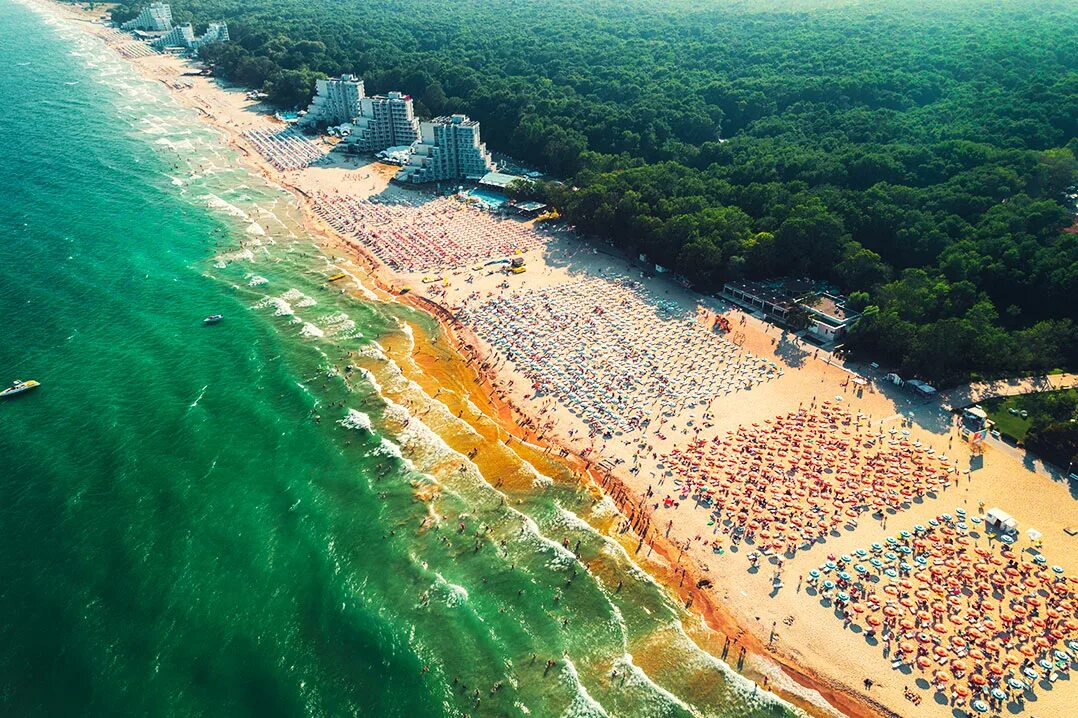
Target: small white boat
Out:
[19,387]
[213,319]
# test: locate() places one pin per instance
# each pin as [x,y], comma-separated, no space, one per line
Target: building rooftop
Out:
[463,120]
[764,292]
[500,180]
[830,306]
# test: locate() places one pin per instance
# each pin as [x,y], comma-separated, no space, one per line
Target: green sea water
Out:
[227,520]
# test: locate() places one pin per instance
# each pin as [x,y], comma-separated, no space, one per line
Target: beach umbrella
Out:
[1030,673]
[979,706]
[1016,684]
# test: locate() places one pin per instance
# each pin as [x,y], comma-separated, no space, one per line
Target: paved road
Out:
[972,393]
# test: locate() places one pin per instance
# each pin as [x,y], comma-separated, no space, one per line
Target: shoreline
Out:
[678,570]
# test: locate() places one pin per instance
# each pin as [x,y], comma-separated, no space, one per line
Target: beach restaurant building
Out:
[829,317]
[775,300]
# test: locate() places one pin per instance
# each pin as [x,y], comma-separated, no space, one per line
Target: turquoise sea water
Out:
[224,520]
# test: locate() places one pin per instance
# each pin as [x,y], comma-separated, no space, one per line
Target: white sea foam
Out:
[298,298]
[634,676]
[310,331]
[388,448]
[256,280]
[454,594]
[582,705]
[215,202]
[356,420]
[254,228]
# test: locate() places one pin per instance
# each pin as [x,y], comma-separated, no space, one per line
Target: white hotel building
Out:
[336,101]
[449,148]
[384,121]
[156,18]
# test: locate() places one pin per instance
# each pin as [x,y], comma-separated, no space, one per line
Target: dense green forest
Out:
[915,153]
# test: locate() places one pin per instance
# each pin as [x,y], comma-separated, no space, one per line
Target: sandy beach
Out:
[590,358]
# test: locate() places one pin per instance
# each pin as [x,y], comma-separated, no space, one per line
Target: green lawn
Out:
[1015,426]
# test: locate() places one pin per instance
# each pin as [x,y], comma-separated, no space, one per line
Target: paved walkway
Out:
[968,394]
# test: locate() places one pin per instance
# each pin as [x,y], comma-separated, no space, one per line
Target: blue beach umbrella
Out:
[947,517]
[844,576]
[904,534]
[1029,673]
[1008,539]
[877,547]
[980,706]
[1016,684]
[861,552]
[905,566]
[1057,569]
[842,596]
[960,511]
[918,528]
[844,558]
[875,562]
[933,522]
[891,541]
[890,573]
[860,569]
[1038,559]
[829,584]
[831,566]
[998,694]
[1046,665]
[813,573]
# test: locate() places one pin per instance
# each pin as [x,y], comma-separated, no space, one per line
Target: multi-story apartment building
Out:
[449,148]
[336,101]
[216,32]
[384,121]
[183,36]
[179,36]
[157,18]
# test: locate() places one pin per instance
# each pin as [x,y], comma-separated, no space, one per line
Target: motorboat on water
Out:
[213,319]
[19,387]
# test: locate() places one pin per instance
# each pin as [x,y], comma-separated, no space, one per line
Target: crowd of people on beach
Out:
[423,234]
[287,149]
[972,615]
[789,482]
[613,356]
